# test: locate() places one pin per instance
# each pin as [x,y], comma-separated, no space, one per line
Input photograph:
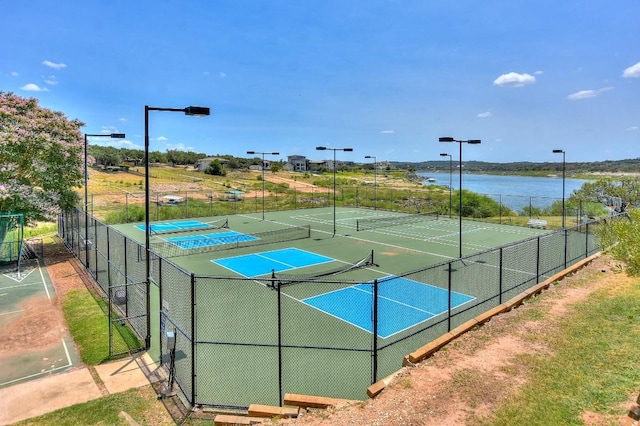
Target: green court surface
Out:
[325,325]
[397,248]
[34,345]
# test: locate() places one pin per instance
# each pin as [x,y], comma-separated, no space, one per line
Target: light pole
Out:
[375,180]
[561,151]
[460,142]
[450,181]
[190,110]
[86,186]
[324,148]
[263,154]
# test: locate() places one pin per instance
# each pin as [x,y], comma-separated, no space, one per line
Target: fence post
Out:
[193,338]
[109,296]
[500,276]
[566,238]
[374,366]
[538,260]
[449,285]
[280,385]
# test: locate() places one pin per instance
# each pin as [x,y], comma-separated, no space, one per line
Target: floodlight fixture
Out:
[460,142]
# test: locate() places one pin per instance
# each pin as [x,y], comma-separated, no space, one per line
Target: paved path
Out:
[41,396]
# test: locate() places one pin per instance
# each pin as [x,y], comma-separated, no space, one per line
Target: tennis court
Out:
[33,342]
[404,304]
[294,294]
[257,264]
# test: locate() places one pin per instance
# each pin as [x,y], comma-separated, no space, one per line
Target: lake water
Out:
[515,192]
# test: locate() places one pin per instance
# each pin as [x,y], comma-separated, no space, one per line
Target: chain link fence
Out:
[241,341]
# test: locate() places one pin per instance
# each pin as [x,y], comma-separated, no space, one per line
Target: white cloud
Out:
[485,114]
[514,79]
[161,138]
[632,72]
[122,119]
[14,73]
[222,74]
[116,143]
[34,88]
[387,132]
[539,72]
[54,65]
[633,128]
[51,80]
[180,147]
[586,94]
[109,129]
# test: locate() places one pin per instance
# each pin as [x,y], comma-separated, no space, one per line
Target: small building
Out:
[203,163]
[234,195]
[297,163]
[266,165]
[172,199]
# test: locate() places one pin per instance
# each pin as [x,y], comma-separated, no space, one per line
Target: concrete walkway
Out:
[41,396]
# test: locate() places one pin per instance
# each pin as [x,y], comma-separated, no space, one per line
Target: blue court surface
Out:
[402,303]
[214,239]
[256,264]
[185,225]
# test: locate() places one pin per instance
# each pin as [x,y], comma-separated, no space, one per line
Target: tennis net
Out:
[208,243]
[285,280]
[175,227]
[384,221]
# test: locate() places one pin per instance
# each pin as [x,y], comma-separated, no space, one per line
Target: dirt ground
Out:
[41,325]
[467,380]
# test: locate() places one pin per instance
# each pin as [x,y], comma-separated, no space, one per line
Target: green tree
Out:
[106,155]
[215,168]
[479,206]
[41,159]
[601,191]
[276,167]
[621,238]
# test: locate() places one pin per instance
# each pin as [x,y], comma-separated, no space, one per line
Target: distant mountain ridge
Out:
[609,166]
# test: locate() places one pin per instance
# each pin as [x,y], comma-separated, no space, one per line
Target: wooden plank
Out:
[230,419]
[430,348]
[257,410]
[311,401]
[463,328]
[482,318]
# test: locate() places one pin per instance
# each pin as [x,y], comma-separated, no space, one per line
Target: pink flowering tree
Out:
[41,159]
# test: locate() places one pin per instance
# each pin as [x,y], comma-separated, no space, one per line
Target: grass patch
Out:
[594,367]
[88,325]
[140,404]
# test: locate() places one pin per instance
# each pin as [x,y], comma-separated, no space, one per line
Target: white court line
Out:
[43,280]
[66,351]
[43,372]
[12,312]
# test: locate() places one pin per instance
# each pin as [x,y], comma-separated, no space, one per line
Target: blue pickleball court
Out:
[213,239]
[257,264]
[183,225]
[402,304]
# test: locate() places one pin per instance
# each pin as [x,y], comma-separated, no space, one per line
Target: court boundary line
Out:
[416,308]
[291,267]
[42,373]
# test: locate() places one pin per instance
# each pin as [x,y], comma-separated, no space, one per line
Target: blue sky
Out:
[386,78]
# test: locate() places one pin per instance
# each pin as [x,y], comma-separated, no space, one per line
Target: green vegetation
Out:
[592,369]
[140,404]
[622,237]
[89,326]
[41,158]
